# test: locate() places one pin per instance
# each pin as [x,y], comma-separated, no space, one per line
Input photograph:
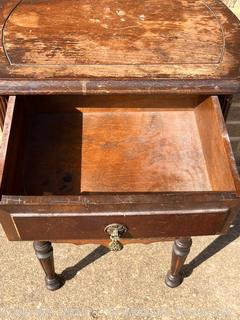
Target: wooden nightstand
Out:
[113,128]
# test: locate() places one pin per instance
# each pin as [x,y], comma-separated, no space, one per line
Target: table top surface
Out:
[69,46]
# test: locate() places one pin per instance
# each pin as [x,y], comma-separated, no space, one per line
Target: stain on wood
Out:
[144,43]
[163,149]
[77,144]
[113,33]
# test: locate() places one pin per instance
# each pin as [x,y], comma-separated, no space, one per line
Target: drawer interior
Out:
[69,145]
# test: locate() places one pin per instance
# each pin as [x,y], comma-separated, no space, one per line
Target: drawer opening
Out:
[71,145]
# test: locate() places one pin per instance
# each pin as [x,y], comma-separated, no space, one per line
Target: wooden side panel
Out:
[7,130]
[7,168]
[3,109]
[214,138]
[12,147]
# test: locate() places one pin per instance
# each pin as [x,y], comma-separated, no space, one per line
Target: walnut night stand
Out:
[113,129]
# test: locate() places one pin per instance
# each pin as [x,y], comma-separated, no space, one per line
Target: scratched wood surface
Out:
[137,151]
[70,46]
[141,152]
[117,33]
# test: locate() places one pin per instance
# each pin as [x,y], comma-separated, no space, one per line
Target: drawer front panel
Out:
[74,226]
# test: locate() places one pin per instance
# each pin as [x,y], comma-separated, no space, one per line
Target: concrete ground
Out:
[124,285]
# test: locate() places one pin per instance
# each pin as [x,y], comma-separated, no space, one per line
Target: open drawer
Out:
[160,165]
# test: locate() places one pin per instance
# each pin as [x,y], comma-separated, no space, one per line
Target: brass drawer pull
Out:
[115,231]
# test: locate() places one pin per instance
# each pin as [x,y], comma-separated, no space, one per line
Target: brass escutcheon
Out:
[115,231]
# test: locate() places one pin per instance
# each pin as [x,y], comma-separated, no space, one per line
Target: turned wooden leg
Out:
[181,249]
[44,253]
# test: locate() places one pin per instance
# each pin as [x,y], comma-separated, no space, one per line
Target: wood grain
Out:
[73,218]
[117,144]
[139,225]
[3,109]
[212,136]
[159,150]
[137,151]
[68,46]
[113,33]
[50,204]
